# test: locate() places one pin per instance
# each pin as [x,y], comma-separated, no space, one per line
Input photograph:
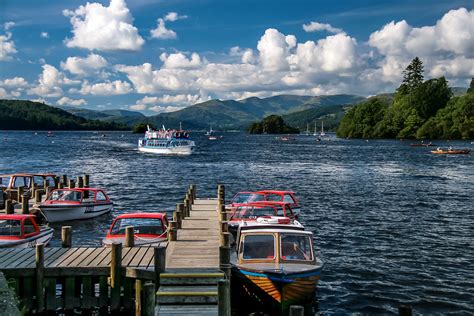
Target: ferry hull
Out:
[182,150]
[42,238]
[273,292]
[60,213]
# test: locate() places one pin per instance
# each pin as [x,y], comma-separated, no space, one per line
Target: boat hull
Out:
[43,237]
[274,292]
[61,213]
[181,150]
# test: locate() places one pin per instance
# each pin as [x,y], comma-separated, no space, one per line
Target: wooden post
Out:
[80,182]
[187,207]
[71,184]
[19,194]
[60,185]
[129,237]
[25,205]
[66,236]
[138,297]
[296,310]
[38,196]
[39,278]
[194,188]
[224,227]
[149,299]
[223,291]
[179,218]
[404,311]
[173,231]
[9,207]
[224,260]
[33,189]
[86,180]
[64,180]
[45,184]
[115,276]
[180,207]
[56,182]
[48,191]
[190,195]
[160,263]
[223,212]
[225,239]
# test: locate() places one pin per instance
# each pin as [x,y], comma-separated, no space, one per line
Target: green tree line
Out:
[272,124]
[420,109]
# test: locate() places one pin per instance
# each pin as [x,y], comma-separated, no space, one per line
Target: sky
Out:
[157,56]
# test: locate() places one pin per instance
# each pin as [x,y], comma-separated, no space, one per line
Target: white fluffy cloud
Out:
[71,102]
[316,26]
[161,31]
[50,82]
[96,27]
[180,61]
[13,83]
[7,45]
[44,35]
[84,66]
[106,88]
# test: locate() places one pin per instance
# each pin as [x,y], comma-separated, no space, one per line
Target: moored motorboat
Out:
[451,151]
[22,231]
[71,204]
[274,266]
[149,228]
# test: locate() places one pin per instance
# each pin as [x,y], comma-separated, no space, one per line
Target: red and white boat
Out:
[71,204]
[149,228]
[22,231]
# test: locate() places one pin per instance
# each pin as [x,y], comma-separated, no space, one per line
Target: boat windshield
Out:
[10,228]
[146,226]
[261,246]
[65,195]
[253,212]
[248,197]
[296,247]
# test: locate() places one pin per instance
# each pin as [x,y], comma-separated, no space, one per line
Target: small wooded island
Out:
[420,109]
[272,124]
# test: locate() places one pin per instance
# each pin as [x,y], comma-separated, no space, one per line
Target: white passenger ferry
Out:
[166,142]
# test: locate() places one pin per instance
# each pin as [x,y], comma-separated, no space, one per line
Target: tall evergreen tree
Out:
[413,74]
[471,87]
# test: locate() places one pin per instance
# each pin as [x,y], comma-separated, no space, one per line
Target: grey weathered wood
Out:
[64,180]
[224,297]
[115,276]
[225,239]
[149,300]
[224,226]
[56,182]
[86,181]
[129,237]
[296,310]
[138,297]
[80,182]
[71,184]
[25,204]
[224,260]
[9,206]
[66,236]
[159,258]
[39,278]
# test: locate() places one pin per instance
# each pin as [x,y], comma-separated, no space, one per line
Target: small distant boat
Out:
[210,131]
[274,267]
[286,138]
[212,137]
[451,151]
[50,134]
[307,133]
[149,228]
[322,129]
[166,142]
[315,131]
[72,204]
[422,144]
[22,231]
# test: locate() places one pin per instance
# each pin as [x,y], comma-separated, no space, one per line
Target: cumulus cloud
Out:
[71,102]
[13,83]
[50,82]
[180,61]
[84,66]
[316,26]
[96,27]
[161,31]
[7,45]
[116,87]
[44,35]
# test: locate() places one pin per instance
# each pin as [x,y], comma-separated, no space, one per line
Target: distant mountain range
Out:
[229,114]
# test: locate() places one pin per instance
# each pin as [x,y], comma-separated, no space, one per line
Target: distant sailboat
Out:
[322,129]
[210,132]
[315,130]
[307,130]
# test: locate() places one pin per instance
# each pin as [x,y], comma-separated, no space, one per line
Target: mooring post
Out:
[66,236]
[224,226]
[160,263]
[149,299]
[225,239]
[194,188]
[38,196]
[45,185]
[9,206]
[223,213]
[60,185]
[56,182]
[179,215]
[64,180]
[173,231]
[404,311]
[138,297]
[80,182]
[19,194]
[115,276]
[71,184]
[187,207]
[190,195]
[86,180]
[39,278]
[296,310]
[129,237]
[224,260]
[25,204]
[223,291]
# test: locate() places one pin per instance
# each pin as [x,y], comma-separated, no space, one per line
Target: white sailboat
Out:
[315,130]
[210,132]
[322,129]
[307,130]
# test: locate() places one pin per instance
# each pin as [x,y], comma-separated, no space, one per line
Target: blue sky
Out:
[158,56]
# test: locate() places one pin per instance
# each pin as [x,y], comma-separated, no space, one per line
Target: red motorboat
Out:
[22,231]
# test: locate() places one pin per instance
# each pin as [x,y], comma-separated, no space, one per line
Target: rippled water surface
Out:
[393,224]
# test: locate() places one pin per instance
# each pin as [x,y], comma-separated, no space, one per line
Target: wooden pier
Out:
[188,273]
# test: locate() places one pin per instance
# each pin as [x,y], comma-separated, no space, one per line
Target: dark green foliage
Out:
[141,128]
[27,115]
[272,124]
[413,75]
[470,90]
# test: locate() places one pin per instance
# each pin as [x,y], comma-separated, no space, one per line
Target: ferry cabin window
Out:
[28,227]
[38,181]
[100,196]
[288,198]
[296,247]
[146,226]
[21,182]
[10,228]
[258,247]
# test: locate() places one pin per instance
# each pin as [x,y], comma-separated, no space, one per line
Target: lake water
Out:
[394,224]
